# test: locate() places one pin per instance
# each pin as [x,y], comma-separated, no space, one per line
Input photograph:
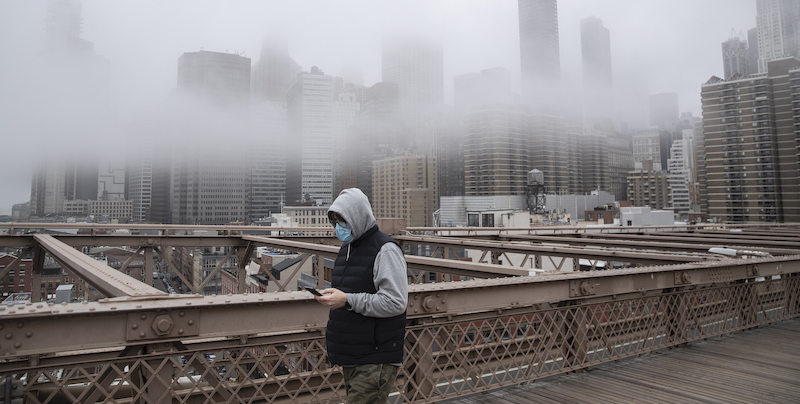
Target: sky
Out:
[657,46]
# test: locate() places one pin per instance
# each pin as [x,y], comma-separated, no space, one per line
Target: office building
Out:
[309,112]
[548,151]
[679,167]
[649,187]
[62,179]
[416,66]
[487,88]
[111,178]
[574,163]
[594,161]
[220,79]
[405,187]
[647,146]
[598,104]
[751,145]
[539,53]
[266,160]
[497,151]
[620,162]
[735,56]
[274,73]
[752,50]
[777,30]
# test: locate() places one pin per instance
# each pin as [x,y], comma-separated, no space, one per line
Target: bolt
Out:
[141,335]
[191,322]
[163,325]
[181,314]
[135,326]
[20,325]
[28,334]
[9,336]
[17,345]
[143,316]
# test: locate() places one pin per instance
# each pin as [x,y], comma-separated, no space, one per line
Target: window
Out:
[488,220]
[472,220]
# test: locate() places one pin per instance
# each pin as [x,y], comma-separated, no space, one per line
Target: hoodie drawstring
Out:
[348,252]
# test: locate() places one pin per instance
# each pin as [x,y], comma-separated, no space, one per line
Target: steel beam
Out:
[452,267]
[105,279]
[699,239]
[517,248]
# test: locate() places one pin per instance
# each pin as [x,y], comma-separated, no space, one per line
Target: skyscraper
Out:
[309,111]
[221,79]
[597,82]
[735,56]
[405,187]
[416,66]
[539,52]
[778,30]
[752,50]
[274,73]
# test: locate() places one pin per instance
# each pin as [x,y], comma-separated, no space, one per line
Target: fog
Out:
[51,104]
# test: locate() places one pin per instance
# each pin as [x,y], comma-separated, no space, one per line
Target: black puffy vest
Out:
[352,338]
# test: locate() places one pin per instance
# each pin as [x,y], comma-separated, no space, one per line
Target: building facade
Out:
[777,30]
[309,109]
[539,53]
[735,56]
[649,187]
[405,187]
[598,104]
[751,145]
[221,79]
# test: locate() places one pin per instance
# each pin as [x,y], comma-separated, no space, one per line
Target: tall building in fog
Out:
[416,66]
[539,52]
[752,50]
[221,79]
[597,84]
[735,56]
[309,111]
[497,151]
[274,73]
[664,110]
[59,180]
[548,151]
[489,87]
[266,160]
[647,146]
[594,161]
[751,149]
[111,178]
[778,30]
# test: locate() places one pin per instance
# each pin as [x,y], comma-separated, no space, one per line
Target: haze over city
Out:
[656,47]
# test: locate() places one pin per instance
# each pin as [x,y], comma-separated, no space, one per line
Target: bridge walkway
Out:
[755,366]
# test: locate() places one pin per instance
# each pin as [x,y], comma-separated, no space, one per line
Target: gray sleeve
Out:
[391,282]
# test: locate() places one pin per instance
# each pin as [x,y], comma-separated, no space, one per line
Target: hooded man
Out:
[368,298]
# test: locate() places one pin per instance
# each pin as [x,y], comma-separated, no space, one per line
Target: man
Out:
[368,299]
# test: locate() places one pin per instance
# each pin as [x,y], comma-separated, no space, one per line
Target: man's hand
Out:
[332,298]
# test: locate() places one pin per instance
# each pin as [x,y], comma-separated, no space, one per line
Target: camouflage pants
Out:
[369,383]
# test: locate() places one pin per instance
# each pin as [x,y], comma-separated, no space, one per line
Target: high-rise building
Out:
[221,79]
[752,50]
[416,66]
[735,56]
[597,84]
[548,151]
[450,158]
[574,164]
[649,187]
[309,111]
[59,180]
[594,161]
[111,179]
[539,53]
[274,73]
[405,187]
[647,146]
[497,151]
[751,145]
[778,30]
[679,167]
[266,161]
[139,185]
[664,110]
[620,163]
[489,87]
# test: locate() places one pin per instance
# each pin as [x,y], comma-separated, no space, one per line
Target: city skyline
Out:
[479,36]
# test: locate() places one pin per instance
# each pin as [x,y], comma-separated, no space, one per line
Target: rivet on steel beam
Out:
[28,334]
[180,331]
[135,326]
[191,322]
[142,335]
[17,345]
[9,336]
[20,325]
[143,316]
[182,313]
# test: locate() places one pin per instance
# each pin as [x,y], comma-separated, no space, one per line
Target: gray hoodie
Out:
[389,274]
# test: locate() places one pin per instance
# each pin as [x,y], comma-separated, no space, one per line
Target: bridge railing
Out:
[462,337]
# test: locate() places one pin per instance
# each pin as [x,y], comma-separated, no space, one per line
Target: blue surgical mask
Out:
[344,233]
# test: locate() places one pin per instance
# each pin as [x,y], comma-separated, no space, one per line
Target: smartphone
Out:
[314,291]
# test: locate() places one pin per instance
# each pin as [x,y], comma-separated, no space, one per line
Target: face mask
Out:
[344,233]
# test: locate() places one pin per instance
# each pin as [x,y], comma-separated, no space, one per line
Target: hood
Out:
[354,207]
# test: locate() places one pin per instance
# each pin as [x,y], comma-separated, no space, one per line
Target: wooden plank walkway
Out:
[757,366]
